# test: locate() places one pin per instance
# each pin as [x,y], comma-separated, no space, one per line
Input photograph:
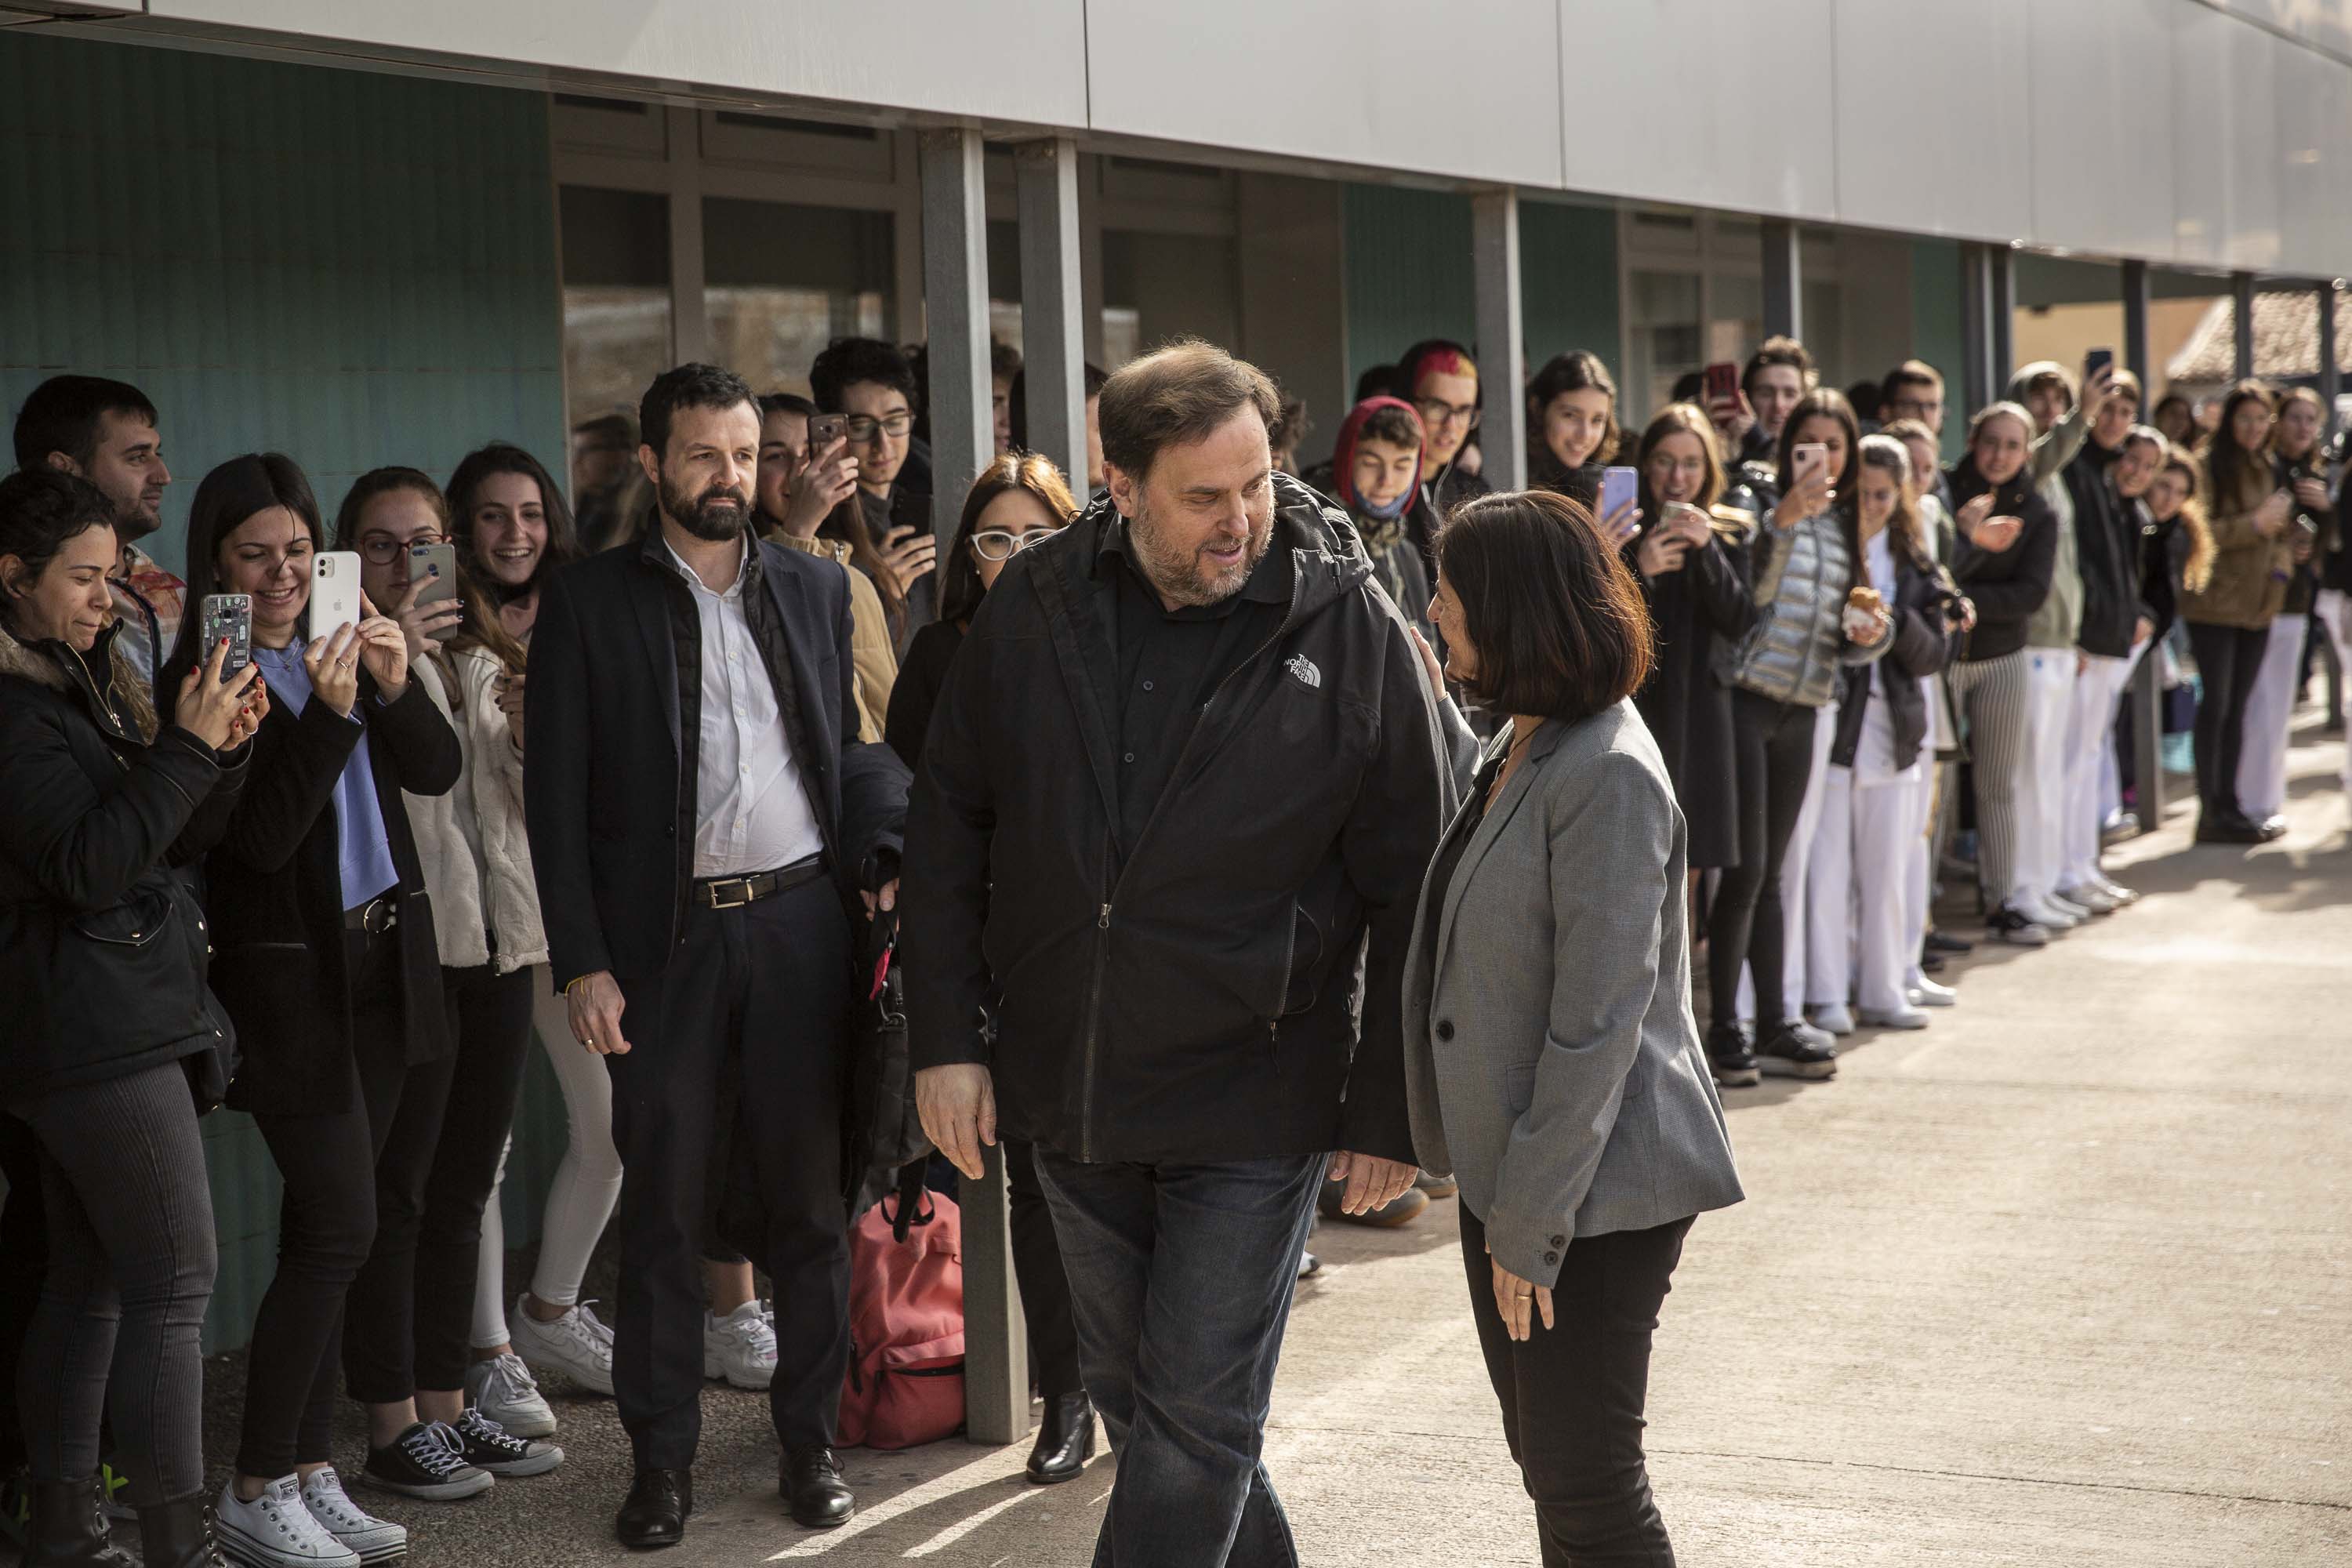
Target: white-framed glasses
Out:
[996,544]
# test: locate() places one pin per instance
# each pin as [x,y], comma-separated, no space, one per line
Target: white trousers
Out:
[2270,709]
[2042,773]
[1919,875]
[2334,612]
[2089,738]
[2111,783]
[1859,940]
[1792,890]
[579,1200]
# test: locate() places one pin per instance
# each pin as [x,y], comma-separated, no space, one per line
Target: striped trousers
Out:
[1991,696]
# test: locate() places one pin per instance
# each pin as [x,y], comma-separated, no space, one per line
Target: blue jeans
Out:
[1182,1278]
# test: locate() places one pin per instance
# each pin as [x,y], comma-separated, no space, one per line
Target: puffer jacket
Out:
[1798,646]
[2249,572]
[485,911]
[103,814]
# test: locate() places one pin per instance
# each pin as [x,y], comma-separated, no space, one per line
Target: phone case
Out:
[1619,487]
[229,616]
[334,591]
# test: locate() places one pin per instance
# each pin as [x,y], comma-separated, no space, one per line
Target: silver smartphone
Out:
[334,591]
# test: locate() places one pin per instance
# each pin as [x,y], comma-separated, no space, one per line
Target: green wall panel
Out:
[1937,333]
[1408,271]
[354,269]
[1567,280]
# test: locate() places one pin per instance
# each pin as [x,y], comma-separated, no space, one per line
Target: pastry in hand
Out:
[1866,598]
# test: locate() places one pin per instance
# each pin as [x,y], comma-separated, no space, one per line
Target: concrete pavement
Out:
[2063,1279]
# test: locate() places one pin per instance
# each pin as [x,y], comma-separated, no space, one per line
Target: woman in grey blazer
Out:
[1552,1063]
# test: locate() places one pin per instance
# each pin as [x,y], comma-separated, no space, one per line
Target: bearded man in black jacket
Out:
[1186,763]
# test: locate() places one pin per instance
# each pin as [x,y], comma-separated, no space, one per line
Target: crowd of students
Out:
[1865,663]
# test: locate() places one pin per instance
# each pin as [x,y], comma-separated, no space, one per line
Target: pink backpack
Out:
[905,1326]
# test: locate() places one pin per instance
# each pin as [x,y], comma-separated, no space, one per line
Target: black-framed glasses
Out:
[1436,411]
[862,428]
[996,544]
[383,551]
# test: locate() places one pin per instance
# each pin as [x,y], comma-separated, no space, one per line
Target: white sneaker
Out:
[275,1530]
[575,1344]
[502,1389]
[2115,889]
[1833,1019]
[1925,993]
[2042,912]
[2067,906]
[740,1347]
[1904,1017]
[2086,897]
[374,1540]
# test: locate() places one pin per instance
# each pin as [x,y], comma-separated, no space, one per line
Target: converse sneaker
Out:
[275,1530]
[486,1445]
[373,1540]
[2010,924]
[503,1390]
[429,1461]
[1731,1055]
[575,1344]
[1793,1050]
[740,1347]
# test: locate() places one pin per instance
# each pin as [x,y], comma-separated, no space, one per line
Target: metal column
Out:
[1495,258]
[963,438]
[2000,282]
[2331,378]
[1976,329]
[689,329]
[1052,329]
[1784,301]
[2241,321]
[2146,693]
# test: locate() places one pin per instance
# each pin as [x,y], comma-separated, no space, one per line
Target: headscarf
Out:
[1343,459]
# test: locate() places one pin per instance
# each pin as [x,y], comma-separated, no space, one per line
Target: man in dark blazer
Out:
[706,827]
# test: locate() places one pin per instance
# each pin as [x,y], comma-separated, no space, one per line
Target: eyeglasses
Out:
[863,428]
[998,545]
[383,551]
[297,555]
[1435,411]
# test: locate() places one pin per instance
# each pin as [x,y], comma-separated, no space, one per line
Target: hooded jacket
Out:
[1193,994]
[1794,651]
[2007,585]
[2107,547]
[104,946]
[1393,544]
[485,902]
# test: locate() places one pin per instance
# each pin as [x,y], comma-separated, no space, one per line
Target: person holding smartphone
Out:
[325,957]
[1572,436]
[114,1043]
[1783,672]
[1691,562]
[803,480]
[475,862]
[870,384]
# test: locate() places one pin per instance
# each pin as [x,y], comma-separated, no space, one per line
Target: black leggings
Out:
[1772,760]
[24,1245]
[2228,660]
[1572,1395]
[354,1194]
[420,1299]
[1037,1269]
[122,1315]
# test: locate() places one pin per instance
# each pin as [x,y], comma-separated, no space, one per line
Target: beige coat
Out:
[498,893]
[2249,572]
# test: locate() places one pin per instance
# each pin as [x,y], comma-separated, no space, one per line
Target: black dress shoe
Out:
[811,1482]
[1065,1439]
[1945,941]
[2226,827]
[654,1513]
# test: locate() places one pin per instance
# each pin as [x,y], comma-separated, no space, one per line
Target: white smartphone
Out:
[334,591]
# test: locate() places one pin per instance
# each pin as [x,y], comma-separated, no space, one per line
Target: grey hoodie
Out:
[2060,619]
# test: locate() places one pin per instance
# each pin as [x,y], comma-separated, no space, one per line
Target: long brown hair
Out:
[961,591]
[2198,572]
[481,626]
[2236,473]
[1885,453]
[1689,419]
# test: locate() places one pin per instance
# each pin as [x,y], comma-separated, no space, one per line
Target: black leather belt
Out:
[734,892]
[375,917]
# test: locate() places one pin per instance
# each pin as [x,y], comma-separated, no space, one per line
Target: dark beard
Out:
[717,514]
[130,523]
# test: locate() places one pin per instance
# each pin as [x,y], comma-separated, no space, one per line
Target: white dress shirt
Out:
[750,813]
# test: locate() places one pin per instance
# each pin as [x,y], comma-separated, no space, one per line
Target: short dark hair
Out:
[1778,349]
[64,415]
[1552,613]
[612,428]
[43,510]
[1004,360]
[1910,373]
[1379,381]
[1093,379]
[786,403]
[234,491]
[1175,395]
[696,386]
[563,546]
[1387,422]
[846,361]
[1290,424]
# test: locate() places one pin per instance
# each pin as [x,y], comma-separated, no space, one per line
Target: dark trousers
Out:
[1572,1395]
[354,1194]
[417,1299]
[2228,660]
[25,1244]
[1772,752]
[130,1269]
[1180,1278]
[1038,1266]
[749,1014]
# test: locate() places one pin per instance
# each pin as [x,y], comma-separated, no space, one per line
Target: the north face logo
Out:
[1304,669]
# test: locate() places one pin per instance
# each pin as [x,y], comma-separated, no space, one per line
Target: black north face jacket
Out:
[1193,995]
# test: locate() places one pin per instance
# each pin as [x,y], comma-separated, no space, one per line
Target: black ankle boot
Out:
[179,1535]
[1065,1439]
[69,1528]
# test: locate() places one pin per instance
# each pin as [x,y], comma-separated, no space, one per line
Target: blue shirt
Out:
[362,850]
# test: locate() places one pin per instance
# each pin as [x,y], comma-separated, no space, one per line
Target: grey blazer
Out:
[1551,1061]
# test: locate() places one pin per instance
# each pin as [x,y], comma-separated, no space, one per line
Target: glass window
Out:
[1161,286]
[1662,338]
[781,282]
[1735,317]
[1824,332]
[616,328]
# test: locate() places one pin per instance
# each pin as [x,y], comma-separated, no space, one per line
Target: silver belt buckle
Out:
[731,894]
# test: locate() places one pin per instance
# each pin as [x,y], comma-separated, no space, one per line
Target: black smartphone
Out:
[435,565]
[824,429]
[2096,361]
[229,616]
